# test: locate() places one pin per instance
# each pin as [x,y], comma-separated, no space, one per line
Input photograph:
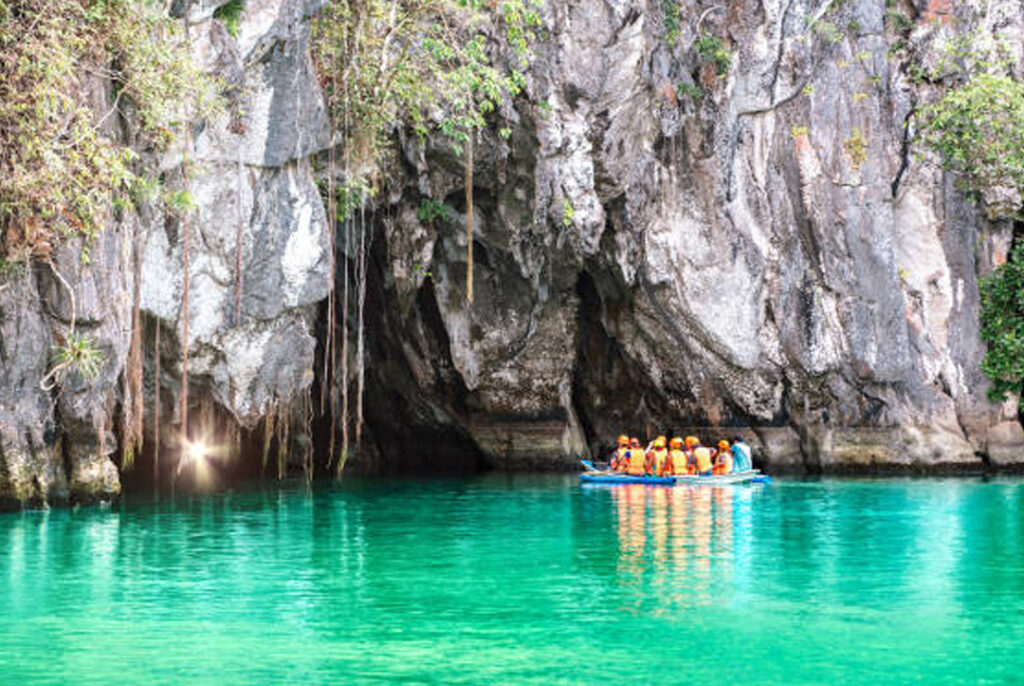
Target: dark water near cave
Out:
[524,579]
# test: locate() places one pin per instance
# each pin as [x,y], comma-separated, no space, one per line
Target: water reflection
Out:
[680,543]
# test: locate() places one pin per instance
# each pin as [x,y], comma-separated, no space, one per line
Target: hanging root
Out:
[156,404]
[268,434]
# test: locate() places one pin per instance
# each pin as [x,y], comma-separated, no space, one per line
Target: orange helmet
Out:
[691,441]
[676,442]
[723,444]
[623,439]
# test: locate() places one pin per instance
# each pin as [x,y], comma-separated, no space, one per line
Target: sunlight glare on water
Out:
[524,579]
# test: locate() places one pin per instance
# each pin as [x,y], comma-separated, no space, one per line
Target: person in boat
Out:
[636,459]
[657,457]
[619,455]
[678,460]
[723,459]
[741,456]
[691,461]
[702,458]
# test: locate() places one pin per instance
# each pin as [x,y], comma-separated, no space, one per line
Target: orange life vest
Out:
[619,461]
[724,465]
[703,456]
[660,457]
[679,466]
[637,462]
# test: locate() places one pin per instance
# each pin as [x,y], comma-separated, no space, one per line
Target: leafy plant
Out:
[690,90]
[432,68]
[978,129]
[672,20]
[856,148]
[77,354]
[431,210]
[798,132]
[568,213]
[1002,325]
[898,22]
[711,50]
[230,14]
[60,168]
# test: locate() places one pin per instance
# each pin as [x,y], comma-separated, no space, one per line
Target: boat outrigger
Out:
[597,476]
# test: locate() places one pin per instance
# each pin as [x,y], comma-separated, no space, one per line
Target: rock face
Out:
[757,252]
[663,243]
[259,264]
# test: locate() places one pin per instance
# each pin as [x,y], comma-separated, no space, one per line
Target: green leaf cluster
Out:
[711,50]
[60,161]
[978,129]
[1002,326]
[78,354]
[230,14]
[431,210]
[430,65]
[673,22]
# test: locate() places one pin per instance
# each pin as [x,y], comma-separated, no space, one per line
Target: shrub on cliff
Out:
[1002,325]
[60,160]
[978,129]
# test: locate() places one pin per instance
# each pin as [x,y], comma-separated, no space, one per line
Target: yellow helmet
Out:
[623,439]
[659,442]
[723,444]
[692,441]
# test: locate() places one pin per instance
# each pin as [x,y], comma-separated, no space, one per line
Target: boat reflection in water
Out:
[681,546]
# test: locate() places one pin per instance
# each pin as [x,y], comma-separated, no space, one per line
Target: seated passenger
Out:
[702,456]
[690,443]
[723,458]
[657,457]
[618,463]
[678,460]
[741,456]
[636,460]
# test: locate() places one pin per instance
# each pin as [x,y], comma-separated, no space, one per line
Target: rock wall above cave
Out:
[768,249]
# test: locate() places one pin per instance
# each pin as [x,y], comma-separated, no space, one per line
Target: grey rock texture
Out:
[259,216]
[732,262]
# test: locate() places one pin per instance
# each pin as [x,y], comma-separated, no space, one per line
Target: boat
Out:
[605,477]
[613,478]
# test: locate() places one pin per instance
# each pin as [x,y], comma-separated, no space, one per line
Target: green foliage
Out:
[898,22]
[180,201]
[431,210]
[425,63]
[798,132]
[829,31]
[690,90]
[1002,325]
[351,196]
[978,129]
[60,165]
[78,354]
[808,90]
[856,147]
[711,51]
[230,15]
[672,20]
[568,213]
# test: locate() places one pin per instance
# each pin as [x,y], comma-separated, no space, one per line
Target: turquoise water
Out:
[524,579]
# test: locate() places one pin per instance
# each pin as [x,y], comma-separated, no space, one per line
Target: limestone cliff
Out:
[759,246]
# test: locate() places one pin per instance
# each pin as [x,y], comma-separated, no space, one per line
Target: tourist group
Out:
[680,457]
